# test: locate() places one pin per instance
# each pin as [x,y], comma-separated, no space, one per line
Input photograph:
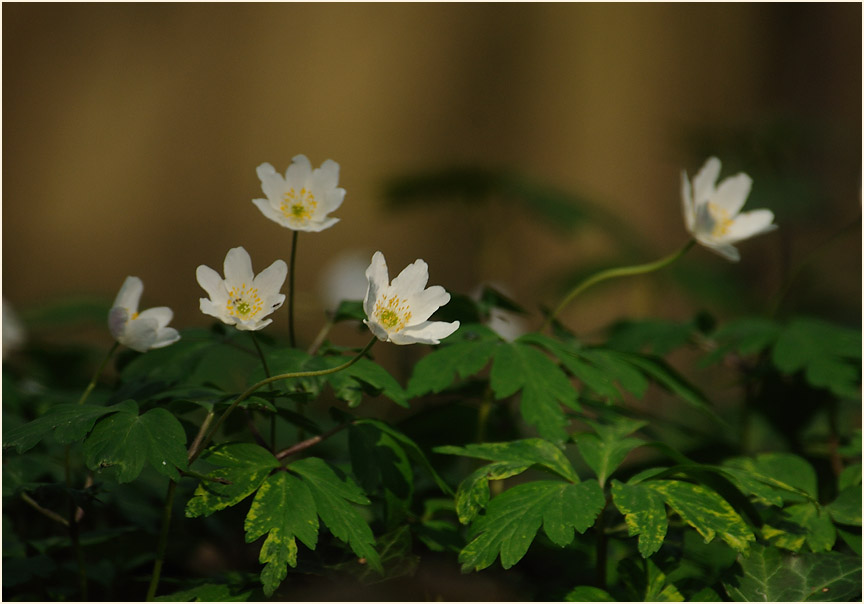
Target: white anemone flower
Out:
[242,299]
[713,214]
[139,331]
[303,198]
[398,312]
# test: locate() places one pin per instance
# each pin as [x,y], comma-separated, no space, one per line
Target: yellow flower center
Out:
[298,207]
[392,313]
[722,221]
[244,302]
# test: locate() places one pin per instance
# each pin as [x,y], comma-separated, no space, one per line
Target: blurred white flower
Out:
[713,214]
[398,312]
[302,199]
[342,278]
[139,331]
[14,334]
[242,299]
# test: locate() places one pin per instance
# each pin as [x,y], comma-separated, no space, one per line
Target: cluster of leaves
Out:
[582,457]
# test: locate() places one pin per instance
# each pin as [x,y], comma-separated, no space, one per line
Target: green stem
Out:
[611,273]
[483,414]
[284,376]
[96,375]
[266,373]
[303,445]
[291,339]
[163,541]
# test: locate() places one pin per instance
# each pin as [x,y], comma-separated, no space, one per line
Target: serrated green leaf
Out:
[744,336]
[655,336]
[846,509]
[70,423]
[647,582]
[373,378]
[704,510]
[829,355]
[544,387]
[208,592]
[586,593]
[513,518]
[283,508]
[378,461]
[645,515]
[125,441]
[528,451]
[604,456]
[473,492]
[666,377]
[333,495]
[438,369]
[850,476]
[619,370]
[411,448]
[792,527]
[243,465]
[768,575]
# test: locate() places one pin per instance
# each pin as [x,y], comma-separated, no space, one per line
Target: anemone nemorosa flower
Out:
[302,199]
[398,312]
[713,214]
[242,299]
[139,331]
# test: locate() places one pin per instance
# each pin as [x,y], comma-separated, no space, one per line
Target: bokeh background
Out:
[131,133]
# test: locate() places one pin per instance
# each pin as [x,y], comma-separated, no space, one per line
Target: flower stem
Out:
[303,445]
[623,271]
[163,541]
[96,375]
[272,415]
[193,455]
[291,338]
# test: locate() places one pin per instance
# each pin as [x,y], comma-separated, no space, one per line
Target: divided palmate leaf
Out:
[513,518]
[467,356]
[283,509]
[70,423]
[528,451]
[605,449]
[125,441]
[769,575]
[333,495]
[243,465]
[645,515]
[473,492]
[545,387]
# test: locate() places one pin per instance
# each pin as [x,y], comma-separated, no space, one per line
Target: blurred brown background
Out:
[131,133]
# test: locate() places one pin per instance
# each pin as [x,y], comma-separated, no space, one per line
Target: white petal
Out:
[270,280]
[317,227]
[378,331]
[162,315]
[703,182]
[267,209]
[724,249]
[212,283]
[378,279]
[750,224]
[130,294]
[326,177]
[687,202]
[117,319]
[272,182]
[140,334]
[429,332]
[427,302]
[214,310]
[412,279]
[732,193]
[238,267]
[165,337]
[298,172]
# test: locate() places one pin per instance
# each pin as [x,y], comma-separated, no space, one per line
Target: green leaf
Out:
[243,465]
[744,336]
[647,582]
[208,592]
[473,492]
[775,477]
[668,378]
[586,593]
[656,336]
[377,460]
[545,387]
[829,355]
[846,509]
[283,509]
[791,527]
[704,510]
[411,448]
[125,441]
[528,451]
[438,369]
[70,423]
[644,513]
[333,495]
[364,376]
[606,449]
[768,575]
[349,310]
[849,477]
[513,518]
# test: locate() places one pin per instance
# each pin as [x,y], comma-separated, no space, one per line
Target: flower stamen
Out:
[721,220]
[393,313]
[298,208]
[243,302]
